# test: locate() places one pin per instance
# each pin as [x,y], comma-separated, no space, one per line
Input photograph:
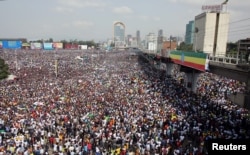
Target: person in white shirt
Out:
[55,148]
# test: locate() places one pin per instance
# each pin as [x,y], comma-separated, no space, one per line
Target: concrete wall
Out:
[222,35]
[204,39]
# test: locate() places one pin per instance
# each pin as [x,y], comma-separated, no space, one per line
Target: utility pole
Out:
[238,52]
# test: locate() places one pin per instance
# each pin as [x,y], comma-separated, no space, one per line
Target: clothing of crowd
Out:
[110,103]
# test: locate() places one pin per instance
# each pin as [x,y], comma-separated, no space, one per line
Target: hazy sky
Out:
[93,19]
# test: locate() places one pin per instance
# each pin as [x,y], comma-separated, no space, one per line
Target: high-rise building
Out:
[119,33]
[189,36]
[138,38]
[211,31]
[160,33]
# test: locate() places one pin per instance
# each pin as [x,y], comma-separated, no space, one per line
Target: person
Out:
[112,105]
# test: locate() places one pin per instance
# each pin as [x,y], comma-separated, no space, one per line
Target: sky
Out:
[92,19]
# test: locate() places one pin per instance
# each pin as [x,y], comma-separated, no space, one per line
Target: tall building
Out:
[160,40]
[189,36]
[119,33]
[138,38]
[160,33]
[211,31]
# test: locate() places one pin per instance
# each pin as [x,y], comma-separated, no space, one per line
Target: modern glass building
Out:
[119,31]
[189,36]
[119,34]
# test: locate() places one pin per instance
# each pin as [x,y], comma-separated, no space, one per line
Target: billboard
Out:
[212,8]
[83,47]
[70,46]
[57,45]
[36,45]
[190,59]
[13,44]
[48,46]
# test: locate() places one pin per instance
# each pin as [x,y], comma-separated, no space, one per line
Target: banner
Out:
[48,46]
[190,59]
[11,44]
[36,45]
[58,45]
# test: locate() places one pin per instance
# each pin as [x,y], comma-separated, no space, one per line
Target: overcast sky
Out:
[93,19]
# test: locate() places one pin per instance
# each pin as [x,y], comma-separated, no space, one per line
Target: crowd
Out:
[107,103]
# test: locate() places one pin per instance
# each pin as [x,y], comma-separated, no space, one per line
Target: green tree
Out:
[3,69]
[185,47]
[232,47]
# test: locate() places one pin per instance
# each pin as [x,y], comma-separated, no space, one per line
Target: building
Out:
[133,42]
[129,40]
[189,36]
[119,34]
[211,31]
[151,42]
[244,49]
[160,32]
[160,40]
[169,45]
[138,38]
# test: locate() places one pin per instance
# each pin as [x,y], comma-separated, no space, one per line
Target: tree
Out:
[3,69]
[185,47]
[232,47]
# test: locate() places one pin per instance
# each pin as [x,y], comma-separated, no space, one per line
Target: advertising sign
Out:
[48,46]
[70,46]
[36,45]
[214,8]
[58,45]
[15,44]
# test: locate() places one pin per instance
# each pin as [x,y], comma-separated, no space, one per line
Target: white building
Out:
[211,32]
[151,42]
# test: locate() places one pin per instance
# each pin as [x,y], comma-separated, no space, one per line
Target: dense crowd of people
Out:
[109,103]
